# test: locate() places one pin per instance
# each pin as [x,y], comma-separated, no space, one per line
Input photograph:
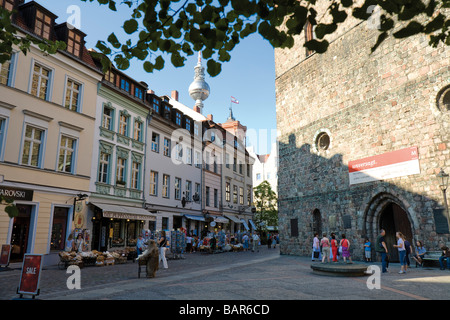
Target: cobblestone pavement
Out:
[263,275]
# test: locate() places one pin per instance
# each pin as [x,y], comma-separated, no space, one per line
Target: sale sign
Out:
[31,273]
[389,165]
[4,257]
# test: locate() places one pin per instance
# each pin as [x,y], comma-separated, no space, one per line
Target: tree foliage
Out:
[265,202]
[10,207]
[176,29]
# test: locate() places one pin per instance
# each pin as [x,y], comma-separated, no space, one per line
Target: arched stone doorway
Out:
[317,222]
[386,211]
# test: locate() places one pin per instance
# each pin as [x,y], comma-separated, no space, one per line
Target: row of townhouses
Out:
[103,155]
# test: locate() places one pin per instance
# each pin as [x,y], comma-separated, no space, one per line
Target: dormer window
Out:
[125,85]
[74,43]
[7,4]
[42,25]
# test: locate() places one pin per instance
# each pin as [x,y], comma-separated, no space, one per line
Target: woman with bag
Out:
[334,247]
[325,243]
[316,247]
[401,251]
[345,244]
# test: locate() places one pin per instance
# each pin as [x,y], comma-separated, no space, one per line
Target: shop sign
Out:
[16,194]
[389,165]
[4,257]
[31,273]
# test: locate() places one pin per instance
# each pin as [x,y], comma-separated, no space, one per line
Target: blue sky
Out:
[249,76]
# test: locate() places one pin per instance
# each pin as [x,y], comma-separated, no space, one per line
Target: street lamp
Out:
[443,184]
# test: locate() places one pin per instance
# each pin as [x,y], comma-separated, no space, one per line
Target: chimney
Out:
[175,95]
[150,92]
[209,117]
[197,109]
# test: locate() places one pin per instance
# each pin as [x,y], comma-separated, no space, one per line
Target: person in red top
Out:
[334,247]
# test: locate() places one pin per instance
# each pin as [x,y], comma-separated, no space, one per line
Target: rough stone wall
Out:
[369,104]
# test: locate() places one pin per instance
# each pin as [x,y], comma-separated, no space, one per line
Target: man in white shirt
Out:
[255,242]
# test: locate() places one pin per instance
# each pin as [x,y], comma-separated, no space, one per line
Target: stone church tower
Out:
[362,137]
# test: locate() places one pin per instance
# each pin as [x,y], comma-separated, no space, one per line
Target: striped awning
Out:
[124,212]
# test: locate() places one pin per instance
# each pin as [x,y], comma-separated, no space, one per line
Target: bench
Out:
[431,256]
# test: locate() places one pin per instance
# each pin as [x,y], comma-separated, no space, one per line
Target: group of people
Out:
[331,248]
[161,243]
[77,245]
[326,248]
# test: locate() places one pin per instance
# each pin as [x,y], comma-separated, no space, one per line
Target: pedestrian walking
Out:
[245,241]
[274,241]
[408,252]
[255,239]
[269,241]
[334,247]
[367,250]
[162,243]
[345,244]
[325,243]
[316,247]
[140,246]
[381,249]
[401,251]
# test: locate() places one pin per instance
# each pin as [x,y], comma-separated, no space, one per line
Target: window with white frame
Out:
[189,156]
[198,190]
[235,194]
[73,91]
[103,168]
[188,194]
[198,159]
[249,196]
[108,117]
[241,195]
[2,136]
[123,124]
[121,171]
[155,142]
[227,192]
[40,85]
[167,144]
[153,183]
[135,175]
[137,134]
[33,146]
[166,186]
[178,188]
[179,152]
[66,159]
[5,72]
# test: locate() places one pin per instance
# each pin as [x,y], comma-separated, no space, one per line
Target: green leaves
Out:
[178,29]
[10,207]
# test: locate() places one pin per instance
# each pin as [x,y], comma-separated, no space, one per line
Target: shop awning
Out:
[253,225]
[245,224]
[233,218]
[221,220]
[125,212]
[192,217]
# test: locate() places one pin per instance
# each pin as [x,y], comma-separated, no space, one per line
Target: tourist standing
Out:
[162,243]
[316,247]
[367,250]
[445,256]
[345,244]
[245,240]
[325,243]
[255,242]
[381,249]
[334,247]
[401,251]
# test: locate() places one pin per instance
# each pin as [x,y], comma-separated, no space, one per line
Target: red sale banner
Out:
[4,257]
[31,272]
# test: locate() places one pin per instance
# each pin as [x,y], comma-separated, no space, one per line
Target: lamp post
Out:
[443,184]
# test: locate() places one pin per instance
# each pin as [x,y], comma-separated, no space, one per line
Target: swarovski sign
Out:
[16,194]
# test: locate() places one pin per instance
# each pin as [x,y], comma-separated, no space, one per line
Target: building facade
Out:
[362,137]
[265,167]
[47,116]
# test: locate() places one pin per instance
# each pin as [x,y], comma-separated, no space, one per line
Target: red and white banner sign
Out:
[389,165]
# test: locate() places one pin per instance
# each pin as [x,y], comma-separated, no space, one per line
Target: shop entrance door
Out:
[20,233]
[393,219]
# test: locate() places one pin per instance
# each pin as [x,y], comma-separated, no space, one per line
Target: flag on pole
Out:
[234,100]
